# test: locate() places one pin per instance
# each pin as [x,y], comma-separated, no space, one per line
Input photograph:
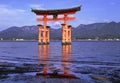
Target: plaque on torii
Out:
[44,30]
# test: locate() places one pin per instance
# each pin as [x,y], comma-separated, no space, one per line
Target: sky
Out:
[18,12]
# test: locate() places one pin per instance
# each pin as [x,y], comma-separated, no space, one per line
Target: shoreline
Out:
[59,40]
[9,71]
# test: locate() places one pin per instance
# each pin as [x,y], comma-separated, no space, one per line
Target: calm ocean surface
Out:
[95,52]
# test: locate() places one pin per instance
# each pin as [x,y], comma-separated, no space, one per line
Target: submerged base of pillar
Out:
[66,43]
[43,43]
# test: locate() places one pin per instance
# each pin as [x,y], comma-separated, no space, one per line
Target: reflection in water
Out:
[66,50]
[43,54]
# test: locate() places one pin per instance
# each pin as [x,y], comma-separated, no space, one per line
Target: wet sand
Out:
[26,73]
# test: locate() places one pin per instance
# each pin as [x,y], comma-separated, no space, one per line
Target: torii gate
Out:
[44,31]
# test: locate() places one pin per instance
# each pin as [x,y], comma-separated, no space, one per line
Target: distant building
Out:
[117,39]
[1,38]
[19,39]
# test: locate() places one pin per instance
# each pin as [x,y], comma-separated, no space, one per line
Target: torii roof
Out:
[57,11]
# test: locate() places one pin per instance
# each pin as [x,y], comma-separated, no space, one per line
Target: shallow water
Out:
[80,58]
[96,52]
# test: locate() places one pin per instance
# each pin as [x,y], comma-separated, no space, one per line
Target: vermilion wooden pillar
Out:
[66,34]
[43,35]
[48,34]
[44,30]
[40,36]
[63,34]
[69,34]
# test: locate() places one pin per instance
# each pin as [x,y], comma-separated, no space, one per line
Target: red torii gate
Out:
[44,31]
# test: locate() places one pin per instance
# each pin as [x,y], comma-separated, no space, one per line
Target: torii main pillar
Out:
[43,35]
[44,31]
[66,31]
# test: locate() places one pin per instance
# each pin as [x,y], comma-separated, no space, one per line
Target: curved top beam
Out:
[57,11]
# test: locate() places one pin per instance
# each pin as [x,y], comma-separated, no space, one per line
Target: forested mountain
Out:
[83,31]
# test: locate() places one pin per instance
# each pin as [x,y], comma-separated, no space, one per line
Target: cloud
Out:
[37,6]
[10,16]
[8,13]
[5,10]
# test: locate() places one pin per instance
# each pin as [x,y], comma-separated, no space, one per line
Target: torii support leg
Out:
[66,34]
[69,34]
[40,34]
[48,35]
[43,35]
